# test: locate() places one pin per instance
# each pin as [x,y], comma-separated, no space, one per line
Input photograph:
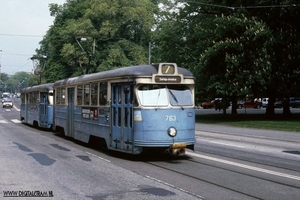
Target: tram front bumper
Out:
[178,145]
[177,149]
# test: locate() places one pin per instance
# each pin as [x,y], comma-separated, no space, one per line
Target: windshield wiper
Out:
[174,97]
[157,100]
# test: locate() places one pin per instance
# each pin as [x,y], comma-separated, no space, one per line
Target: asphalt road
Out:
[33,161]
[228,163]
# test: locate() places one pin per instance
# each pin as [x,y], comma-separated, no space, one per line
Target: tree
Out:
[116,33]
[243,47]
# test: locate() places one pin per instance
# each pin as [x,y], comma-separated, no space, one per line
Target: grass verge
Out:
[260,121]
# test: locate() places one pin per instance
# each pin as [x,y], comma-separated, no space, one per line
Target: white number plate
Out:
[171,118]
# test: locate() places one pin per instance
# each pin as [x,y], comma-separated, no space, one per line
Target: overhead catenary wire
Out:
[241,7]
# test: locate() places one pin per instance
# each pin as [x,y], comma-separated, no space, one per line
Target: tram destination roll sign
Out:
[167,79]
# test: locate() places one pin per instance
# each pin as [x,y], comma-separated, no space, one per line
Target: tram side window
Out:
[57,96]
[103,93]
[79,95]
[86,94]
[27,98]
[94,94]
[63,96]
[30,98]
[36,98]
[23,98]
[128,94]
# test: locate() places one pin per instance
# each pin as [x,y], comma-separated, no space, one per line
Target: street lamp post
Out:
[37,67]
[82,38]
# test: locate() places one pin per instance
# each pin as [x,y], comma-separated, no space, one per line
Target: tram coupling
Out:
[177,149]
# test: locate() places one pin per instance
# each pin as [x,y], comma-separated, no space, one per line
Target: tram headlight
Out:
[172,131]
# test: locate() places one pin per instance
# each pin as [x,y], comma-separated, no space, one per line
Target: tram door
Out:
[121,116]
[43,108]
[70,113]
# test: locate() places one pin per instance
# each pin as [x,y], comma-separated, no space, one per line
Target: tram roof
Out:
[124,72]
[43,87]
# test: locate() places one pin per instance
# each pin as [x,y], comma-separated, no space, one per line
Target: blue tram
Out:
[131,109]
[37,105]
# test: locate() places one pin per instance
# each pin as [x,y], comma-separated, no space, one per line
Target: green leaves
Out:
[116,33]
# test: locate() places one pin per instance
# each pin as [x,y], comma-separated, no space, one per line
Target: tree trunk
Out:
[286,106]
[234,107]
[270,107]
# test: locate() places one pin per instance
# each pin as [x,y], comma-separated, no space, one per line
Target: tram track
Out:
[203,180]
[245,136]
[217,184]
[255,151]
[282,160]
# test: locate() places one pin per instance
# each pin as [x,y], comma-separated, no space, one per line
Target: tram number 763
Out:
[171,118]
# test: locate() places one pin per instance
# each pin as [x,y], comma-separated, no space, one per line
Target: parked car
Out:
[278,104]
[294,102]
[7,103]
[211,104]
[240,104]
[208,104]
[264,102]
[253,103]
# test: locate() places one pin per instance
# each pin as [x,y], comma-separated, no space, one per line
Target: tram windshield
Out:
[163,95]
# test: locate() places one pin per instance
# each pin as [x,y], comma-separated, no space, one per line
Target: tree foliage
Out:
[234,48]
[116,33]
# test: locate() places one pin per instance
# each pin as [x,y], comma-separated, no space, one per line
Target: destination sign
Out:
[167,79]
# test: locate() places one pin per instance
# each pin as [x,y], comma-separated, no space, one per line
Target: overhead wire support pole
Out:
[80,46]
[89,54]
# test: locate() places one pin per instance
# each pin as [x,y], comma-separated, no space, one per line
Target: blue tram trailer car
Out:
[37,105]
[131,109]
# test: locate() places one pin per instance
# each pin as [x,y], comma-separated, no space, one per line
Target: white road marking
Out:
[97,156]
[172,186]
[16,121]
[245,166]
[16,108]
[226,144]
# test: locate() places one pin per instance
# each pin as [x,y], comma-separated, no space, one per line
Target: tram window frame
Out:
[119,94]
[63,96]
[86,94]
[29,98]
[22,98]
[57,95]
[103,93]
[36,98]
[94,94]
[79,94]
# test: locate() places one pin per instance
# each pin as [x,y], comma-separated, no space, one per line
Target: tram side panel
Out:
[85,122]
[32,114]
[60,119]
[90,121]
